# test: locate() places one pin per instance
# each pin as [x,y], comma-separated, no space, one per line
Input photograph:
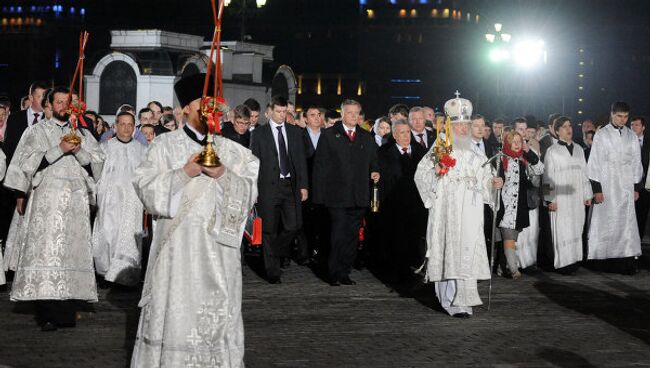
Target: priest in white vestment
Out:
[569,191]
[456,252]
[191,300]
[3,170]
[117,234]
[55,260]
[614,168]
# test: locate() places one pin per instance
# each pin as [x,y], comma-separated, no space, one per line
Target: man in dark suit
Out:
[282,184]
[238,130]
[545,251]
[642,205]
[345,162]
[314,215]
[403,219]
[419,133]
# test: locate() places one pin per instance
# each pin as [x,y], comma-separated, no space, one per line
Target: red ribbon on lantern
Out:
[79,108]
[213,107]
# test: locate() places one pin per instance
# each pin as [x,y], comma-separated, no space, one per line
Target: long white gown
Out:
[55,260]
[117,234]
[3,170]
[569,188]
[455,239]
[615,162]
[191,300]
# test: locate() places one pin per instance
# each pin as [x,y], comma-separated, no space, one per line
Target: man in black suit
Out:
[238,130]
[314,215]
[345,162]
[419,133]
[642,205]
[403,220]
[545,251]
[282,184]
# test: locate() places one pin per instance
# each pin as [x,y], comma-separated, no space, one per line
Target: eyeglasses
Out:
[242,123]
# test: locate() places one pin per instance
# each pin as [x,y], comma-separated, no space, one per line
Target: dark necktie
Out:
[405,151]
[421,136]
[36,116]
[284,160]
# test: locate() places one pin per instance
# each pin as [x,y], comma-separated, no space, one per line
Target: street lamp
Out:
[500,40]
[243,11]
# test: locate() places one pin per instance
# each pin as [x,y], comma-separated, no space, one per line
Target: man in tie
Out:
[282,184]
[643,204]
[344,165]
[420,135]
[402,213]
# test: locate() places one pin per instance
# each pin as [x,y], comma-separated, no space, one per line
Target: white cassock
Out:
[117,239]
[456,252]
[528,238]
[615,162]
[55,259]
[566,177]
[3,170]
[191,299]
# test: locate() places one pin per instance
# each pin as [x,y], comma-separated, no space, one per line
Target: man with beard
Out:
[55,266]
[456,252]
[191,298]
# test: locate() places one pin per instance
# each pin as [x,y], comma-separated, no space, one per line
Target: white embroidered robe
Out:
[191,300]
[615,162]
[117,234]
[566,177]
[455,239]
[55,257]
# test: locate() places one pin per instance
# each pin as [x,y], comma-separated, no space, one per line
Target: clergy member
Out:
[191,299]
[55,265]
[565,174]
[614,168]
[117,234]
[3,170]
[456,252]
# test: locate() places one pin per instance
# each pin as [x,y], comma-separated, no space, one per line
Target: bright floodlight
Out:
[529,53]
[261,3]
[498,55]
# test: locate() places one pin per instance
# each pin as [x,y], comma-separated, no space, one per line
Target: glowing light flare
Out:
[490,37]
[499,54]
[529,53]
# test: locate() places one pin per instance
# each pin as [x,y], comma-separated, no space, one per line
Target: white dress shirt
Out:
[30,116]
[274,131]
[424,137]
[313,136]
[480,145]
[401,149]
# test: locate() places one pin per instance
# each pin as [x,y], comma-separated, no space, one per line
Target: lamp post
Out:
[243,12]
[499,52]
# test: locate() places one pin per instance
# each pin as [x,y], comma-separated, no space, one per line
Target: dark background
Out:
[383,57]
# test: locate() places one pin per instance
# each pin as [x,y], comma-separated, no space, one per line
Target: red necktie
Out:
[405,150]
[351,135]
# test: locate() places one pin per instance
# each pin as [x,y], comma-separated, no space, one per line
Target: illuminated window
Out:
[582,63]
[414,13]
[339,86]
[580,100]
[581,75]
[478,18]
[360,89]
[370,13]
[445,13]
[434,13]
[579,112]
[300,84]
[318,86]
[581,88]
[454,13]
[581,50]
[402,13]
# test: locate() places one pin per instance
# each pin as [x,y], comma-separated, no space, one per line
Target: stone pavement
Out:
[542,320]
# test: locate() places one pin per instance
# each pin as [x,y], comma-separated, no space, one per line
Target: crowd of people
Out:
[454,195]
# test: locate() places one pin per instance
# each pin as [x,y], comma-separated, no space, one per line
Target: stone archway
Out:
[105,93]
[284,83]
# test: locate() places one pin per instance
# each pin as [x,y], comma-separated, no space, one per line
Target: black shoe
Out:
[275,280]
[335,283]
[461,315]
[49,326]
[348,281]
